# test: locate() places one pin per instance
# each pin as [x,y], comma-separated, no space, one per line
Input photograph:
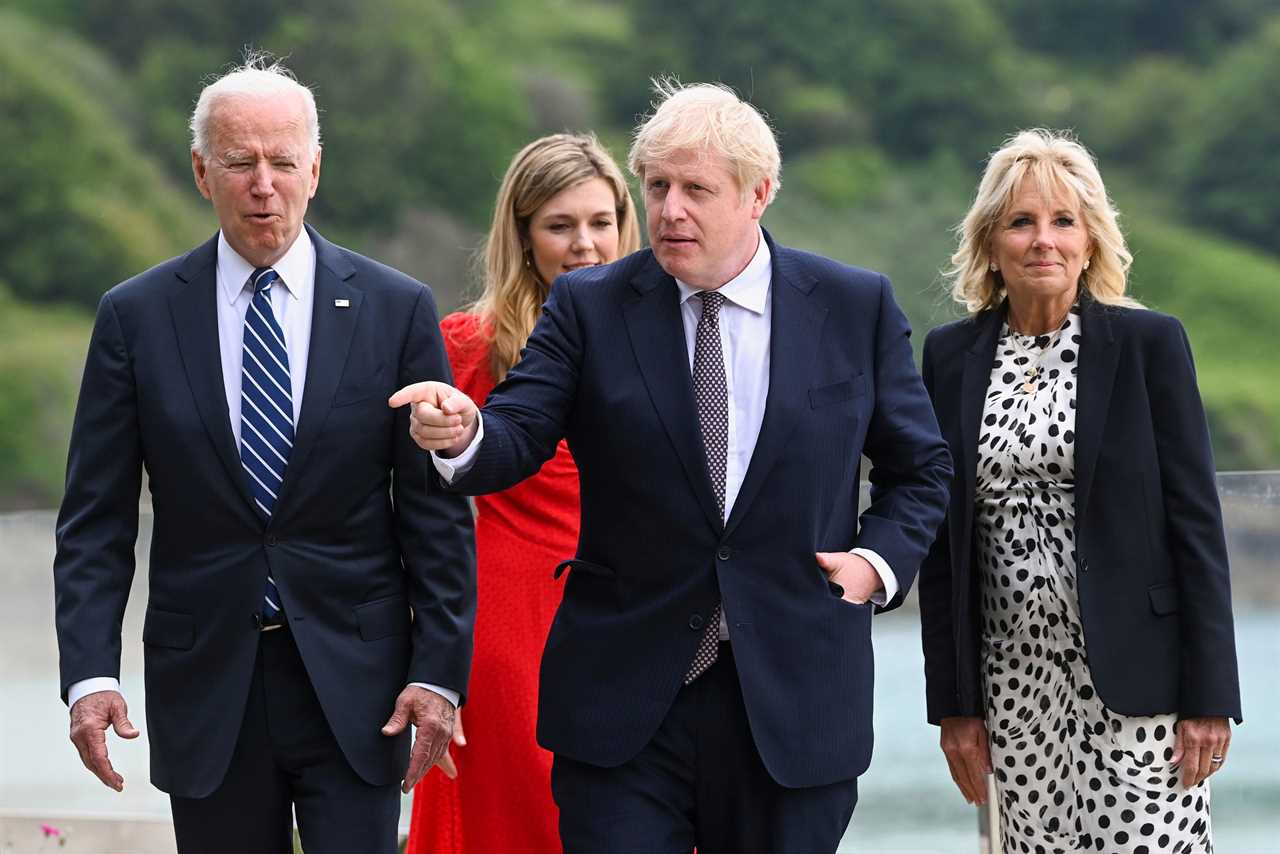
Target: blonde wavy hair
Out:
[710,119]
[1058,164]
[513,291]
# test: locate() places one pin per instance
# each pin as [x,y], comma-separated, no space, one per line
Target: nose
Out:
[581,239]
[1043,237]
[673,206]
[263,180]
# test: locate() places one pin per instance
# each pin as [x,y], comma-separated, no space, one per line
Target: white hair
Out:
[259,76]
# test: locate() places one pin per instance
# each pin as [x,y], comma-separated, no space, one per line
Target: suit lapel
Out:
[976,377]
[657,338]
[1099,356]
[194,308]
[794,339]
[331,332]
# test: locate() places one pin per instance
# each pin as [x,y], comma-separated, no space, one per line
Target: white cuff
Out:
[461,464]
[91,686]
[452,696]
[890,581]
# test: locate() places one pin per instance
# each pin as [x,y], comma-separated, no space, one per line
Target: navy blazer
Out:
[360,536]
[607,367]
[1151,556]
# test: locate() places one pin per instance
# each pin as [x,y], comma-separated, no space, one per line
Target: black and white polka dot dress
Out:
[1070,775]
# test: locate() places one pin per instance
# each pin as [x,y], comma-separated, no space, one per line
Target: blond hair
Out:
[1058,163]
[513,291]
[708,118]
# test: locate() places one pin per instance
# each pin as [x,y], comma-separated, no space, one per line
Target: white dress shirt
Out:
[745,331]
[292,306]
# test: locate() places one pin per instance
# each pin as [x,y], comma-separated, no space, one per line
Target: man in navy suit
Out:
[311,591]
[707,680]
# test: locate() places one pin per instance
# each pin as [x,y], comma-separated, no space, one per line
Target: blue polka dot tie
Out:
[266,409]
[711,393]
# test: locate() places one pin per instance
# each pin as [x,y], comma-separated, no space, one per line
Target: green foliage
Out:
[1228,297]
[1230,153]
[419,107]
[840,177]
[41,356]
[81,207]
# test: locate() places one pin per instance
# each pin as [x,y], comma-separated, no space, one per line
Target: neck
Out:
[1039,316]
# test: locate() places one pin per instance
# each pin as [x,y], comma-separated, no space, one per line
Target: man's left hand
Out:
[433,716]
[853,573]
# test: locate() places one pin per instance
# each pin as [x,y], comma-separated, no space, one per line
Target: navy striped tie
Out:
[266,408]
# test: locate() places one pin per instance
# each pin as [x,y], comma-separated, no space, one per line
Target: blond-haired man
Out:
[707,680]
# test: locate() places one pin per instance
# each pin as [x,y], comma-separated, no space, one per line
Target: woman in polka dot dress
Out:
[1076,605]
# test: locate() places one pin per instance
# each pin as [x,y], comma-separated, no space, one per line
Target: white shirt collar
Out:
[292,268]
[750,288]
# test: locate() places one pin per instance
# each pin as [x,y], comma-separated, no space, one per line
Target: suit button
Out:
[724,553]
[271,540]
[696,622]
[1084,565]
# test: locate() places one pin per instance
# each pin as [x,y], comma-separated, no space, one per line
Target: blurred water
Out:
[907,803]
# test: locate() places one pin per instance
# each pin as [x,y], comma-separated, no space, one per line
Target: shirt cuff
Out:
[890,581]
[452,696]
[457,466]
[91,686]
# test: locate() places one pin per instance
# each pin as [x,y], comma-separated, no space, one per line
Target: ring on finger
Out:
[1217,760]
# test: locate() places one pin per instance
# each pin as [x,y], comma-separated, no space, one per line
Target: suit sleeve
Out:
[1197,543]
[98,521]
[437,540]
[911,466]
[527,415]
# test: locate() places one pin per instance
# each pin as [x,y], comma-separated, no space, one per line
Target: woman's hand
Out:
[964,741]
[1200,748]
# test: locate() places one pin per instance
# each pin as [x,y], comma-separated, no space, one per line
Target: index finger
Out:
[410,394]
[99,762]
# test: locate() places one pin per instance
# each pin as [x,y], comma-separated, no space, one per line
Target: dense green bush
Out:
[82,206]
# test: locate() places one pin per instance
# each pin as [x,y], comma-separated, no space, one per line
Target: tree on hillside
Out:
[1230,152]
[81,206]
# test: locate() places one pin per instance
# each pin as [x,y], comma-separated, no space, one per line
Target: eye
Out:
[1020,221]
[1064,221]
[603,223]
[558,227]
[657,185]
[283,164]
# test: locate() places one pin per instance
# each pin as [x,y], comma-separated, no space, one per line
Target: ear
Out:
[760,197]
[315,173]
[199,169]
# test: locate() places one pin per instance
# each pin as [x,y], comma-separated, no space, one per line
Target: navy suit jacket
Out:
[1151,556]
[607,368]
[360,536]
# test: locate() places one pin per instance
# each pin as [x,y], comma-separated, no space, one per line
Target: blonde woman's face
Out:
[1040,245]
[575,228]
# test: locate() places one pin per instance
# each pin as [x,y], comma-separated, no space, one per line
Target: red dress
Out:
[501,800]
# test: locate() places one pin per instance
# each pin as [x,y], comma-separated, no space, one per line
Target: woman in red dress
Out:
[563,205]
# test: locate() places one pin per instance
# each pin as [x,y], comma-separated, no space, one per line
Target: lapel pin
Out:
[342,303]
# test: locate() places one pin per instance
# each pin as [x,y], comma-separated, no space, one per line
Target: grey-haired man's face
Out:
[260,173]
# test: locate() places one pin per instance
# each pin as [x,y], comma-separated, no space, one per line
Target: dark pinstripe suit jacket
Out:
[607,367]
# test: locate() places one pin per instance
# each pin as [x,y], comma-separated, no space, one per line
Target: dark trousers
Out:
[287,759]
[699,782]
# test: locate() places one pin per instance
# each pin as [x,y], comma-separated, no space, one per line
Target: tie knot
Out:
[711,302]
[263,278]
